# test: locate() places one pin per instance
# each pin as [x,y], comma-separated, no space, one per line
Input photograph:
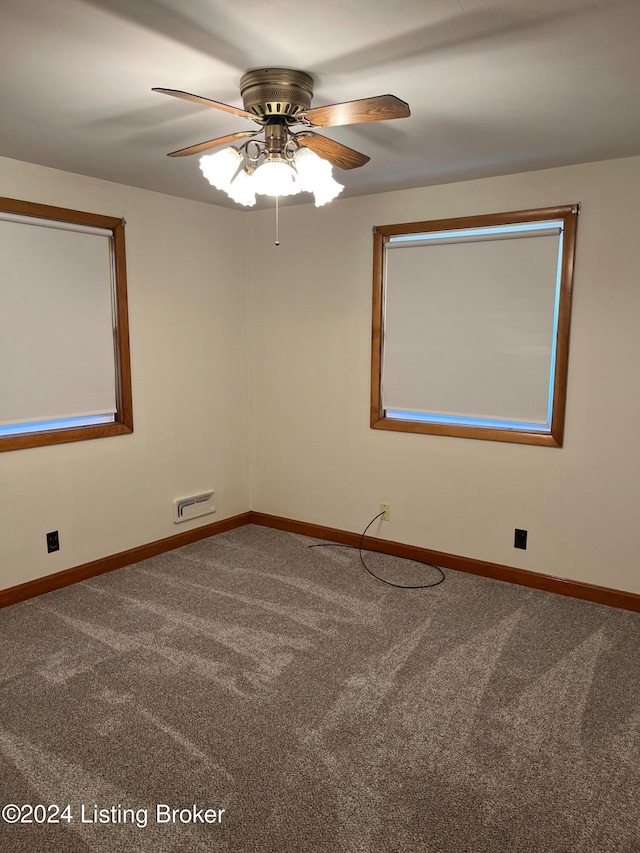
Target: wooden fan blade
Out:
[213,143]
[336,153]
[206,102]
[381,108]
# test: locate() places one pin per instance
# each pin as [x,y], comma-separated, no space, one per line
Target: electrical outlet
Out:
[386,509]
[520,539]
[53,542]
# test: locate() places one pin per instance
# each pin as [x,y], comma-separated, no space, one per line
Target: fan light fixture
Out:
[252,170]
[284,162]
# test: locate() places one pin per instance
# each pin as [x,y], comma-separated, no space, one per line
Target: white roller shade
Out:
[56,321]
[469,325]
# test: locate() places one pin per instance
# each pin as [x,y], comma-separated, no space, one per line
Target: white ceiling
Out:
[494,86]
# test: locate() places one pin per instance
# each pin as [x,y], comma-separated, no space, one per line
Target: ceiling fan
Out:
[279,99]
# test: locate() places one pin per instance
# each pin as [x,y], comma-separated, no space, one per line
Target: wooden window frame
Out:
[123,420]
[555,435]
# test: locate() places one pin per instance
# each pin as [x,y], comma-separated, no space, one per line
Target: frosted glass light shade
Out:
[315,176]
[327,191]
[311,169]
[275,177]
[220,168]
[241,189]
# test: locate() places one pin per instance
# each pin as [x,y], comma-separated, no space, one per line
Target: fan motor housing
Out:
[276,92]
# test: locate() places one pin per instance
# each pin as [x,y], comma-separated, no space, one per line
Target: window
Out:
[64,341]
[471,325]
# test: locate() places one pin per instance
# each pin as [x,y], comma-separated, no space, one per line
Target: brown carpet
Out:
[322,710]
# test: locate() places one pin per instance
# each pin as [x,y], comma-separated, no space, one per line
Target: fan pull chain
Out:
[277,224]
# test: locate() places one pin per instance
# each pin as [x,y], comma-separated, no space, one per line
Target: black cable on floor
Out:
[360,549]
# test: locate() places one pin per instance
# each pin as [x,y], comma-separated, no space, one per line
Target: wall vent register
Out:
[185,509]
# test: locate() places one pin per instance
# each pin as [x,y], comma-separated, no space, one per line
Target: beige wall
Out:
[314,456]
[311,452]
[187,312]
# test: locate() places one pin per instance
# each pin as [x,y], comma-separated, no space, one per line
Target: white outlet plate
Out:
[386,509]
